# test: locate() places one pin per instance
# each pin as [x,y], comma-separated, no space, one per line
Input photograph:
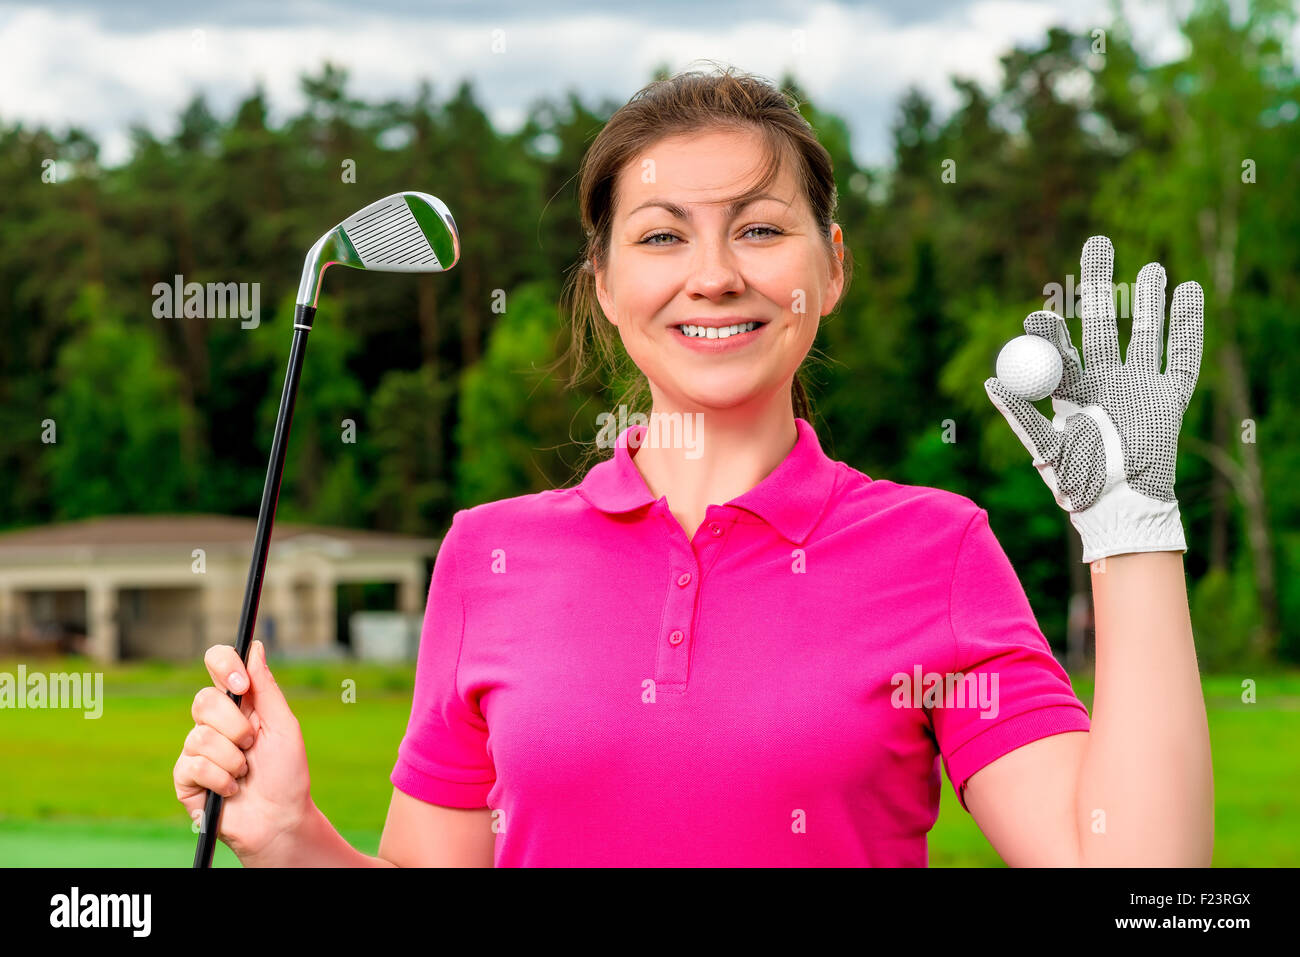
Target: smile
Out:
[718,332]
[717,339]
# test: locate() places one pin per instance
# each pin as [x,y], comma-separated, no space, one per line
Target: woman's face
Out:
[679,256]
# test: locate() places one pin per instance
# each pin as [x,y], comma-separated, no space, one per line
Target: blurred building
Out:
[168,586]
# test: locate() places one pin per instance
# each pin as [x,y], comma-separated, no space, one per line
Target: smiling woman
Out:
[743,652]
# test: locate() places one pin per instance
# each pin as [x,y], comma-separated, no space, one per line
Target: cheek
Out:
[645,292]
[794,289]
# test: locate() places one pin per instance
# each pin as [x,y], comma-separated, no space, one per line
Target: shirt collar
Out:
[791,498]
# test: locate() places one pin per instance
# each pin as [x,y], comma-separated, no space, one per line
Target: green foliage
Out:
[408,410]
[329,396]
[512,404]
[1224,614]
[341,498]
[124,437]
[1289,597]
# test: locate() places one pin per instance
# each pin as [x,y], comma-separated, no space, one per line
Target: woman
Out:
[725,648]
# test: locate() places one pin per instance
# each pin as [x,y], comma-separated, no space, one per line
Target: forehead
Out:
[700,169]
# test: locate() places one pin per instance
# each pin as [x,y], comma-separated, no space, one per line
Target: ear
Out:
[835,285]
[602,294]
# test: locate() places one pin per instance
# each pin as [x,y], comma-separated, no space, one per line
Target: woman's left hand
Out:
[1109,453]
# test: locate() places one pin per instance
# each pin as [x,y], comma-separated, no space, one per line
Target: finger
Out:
[1148,320]
[1052,327]
[212,707]
[1186,338]
[267,698]
[1100,336]
[196,770]
[207,742]
[226,668]
[1035,432]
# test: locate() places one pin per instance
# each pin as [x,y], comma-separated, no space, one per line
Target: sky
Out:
[104,66]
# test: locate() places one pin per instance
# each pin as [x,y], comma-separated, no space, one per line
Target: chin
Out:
[720,401]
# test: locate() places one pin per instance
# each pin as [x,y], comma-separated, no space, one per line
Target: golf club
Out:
[404,232]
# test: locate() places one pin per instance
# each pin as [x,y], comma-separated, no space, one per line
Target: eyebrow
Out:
[679,212]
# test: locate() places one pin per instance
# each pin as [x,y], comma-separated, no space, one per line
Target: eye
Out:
[649,240]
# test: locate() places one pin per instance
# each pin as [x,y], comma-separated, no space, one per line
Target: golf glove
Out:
[1109,453]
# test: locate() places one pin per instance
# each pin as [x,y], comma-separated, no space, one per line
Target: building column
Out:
[8,613]
[412,595]
[103,643]
[325,605]
[215,620]
[276,602]
[412,592]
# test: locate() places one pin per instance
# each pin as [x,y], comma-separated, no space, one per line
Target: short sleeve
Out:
[443,757]
[1007,689]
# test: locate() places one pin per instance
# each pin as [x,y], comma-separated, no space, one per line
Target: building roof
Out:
[206,531]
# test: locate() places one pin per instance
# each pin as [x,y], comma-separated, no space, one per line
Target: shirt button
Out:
[675,638]
[715,528]
[684,579]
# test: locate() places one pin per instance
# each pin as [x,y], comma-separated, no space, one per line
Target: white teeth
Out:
[714,332]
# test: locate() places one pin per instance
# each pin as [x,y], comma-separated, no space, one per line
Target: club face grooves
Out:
[405,232]
[389,235]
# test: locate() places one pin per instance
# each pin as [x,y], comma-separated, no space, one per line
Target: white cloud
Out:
[68,67]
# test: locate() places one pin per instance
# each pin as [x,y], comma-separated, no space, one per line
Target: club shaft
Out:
[302,321]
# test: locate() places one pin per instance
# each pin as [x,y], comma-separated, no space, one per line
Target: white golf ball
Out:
[1030,366]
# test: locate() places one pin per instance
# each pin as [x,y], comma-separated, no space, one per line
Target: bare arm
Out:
[1138,789]
[1147,765]
[416,834]
[429,835]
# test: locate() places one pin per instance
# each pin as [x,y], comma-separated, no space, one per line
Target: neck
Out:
[726,453]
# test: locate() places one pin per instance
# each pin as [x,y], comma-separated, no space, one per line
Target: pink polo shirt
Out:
[775,690]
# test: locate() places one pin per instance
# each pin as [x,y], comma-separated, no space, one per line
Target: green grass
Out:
[96,793]
[1256,779]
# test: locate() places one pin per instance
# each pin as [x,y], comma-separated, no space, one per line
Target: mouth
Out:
[691,331]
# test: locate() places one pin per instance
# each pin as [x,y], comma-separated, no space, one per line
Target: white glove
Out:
[1110,452]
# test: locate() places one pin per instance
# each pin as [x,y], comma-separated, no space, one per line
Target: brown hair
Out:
[688,102]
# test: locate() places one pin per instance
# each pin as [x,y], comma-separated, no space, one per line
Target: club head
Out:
[404,232]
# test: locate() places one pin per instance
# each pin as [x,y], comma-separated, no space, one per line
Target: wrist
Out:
[287,848]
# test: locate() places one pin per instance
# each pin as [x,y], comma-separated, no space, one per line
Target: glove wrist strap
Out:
[1124,520]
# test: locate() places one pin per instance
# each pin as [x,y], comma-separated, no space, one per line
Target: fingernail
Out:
[236,681]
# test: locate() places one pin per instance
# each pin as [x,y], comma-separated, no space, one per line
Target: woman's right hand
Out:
[252,754]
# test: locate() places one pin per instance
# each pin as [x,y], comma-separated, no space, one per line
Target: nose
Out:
[713,269]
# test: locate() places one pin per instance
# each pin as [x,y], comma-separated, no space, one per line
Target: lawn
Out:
[94,793]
